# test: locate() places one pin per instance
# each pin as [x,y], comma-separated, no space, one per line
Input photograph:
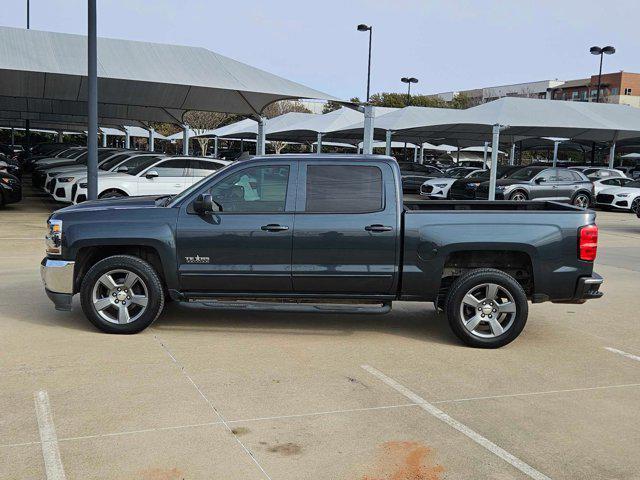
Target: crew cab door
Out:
[346,235]
[246,247]
[171,178]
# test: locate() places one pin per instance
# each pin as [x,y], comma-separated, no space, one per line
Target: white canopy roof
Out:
[133,132]
[136,80]
[243,129]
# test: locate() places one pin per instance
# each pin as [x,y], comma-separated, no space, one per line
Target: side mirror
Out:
[151,174]
[204,204]
[540,180]
[122,169]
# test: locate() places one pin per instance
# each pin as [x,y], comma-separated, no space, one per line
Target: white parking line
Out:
[624,354]
[473,435]
[206,399]
[49,441]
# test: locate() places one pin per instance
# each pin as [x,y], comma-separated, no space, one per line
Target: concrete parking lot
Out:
[213,395]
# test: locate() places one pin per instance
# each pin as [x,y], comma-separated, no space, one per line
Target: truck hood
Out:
[112,204]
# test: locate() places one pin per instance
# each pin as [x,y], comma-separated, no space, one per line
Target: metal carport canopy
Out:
[43,75]
[244,129]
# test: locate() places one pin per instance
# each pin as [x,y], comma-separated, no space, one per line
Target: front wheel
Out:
[122,294]
[518,196]
[635,206]
[486,308]
[581,200]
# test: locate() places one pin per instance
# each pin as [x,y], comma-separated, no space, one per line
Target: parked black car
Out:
[465,188]
[414,175]
[10,189]
[535,183]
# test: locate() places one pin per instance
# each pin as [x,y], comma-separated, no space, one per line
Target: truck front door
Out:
[247,246]
[346,235]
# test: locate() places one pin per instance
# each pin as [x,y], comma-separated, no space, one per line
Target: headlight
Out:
[83,185]
[623,195]
[66,179]
[53,239]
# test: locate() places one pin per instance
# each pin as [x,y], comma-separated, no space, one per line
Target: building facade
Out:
[619,87]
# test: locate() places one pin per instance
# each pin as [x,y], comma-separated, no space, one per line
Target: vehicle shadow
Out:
[418,321]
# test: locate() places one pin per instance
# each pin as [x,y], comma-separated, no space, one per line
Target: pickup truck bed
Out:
[319,229]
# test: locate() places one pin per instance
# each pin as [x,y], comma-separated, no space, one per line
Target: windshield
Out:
[193,188]
[71,153]
[526,173]
[112,162]
[458,172]
[480,174]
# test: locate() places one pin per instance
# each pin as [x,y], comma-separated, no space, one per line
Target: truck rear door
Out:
[346,228]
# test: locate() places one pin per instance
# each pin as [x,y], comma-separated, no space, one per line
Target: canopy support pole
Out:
[241,145]
[127,138]
[612,154]
[185,139]
[421,155]
[495,146]
[512,156]
[261,139]
[60,133]
[152,137]
[367,141]
[556,144]
[92,103]
[104,138]
[486,150]
[13,137]
[387,145]
[319,143]
[458,151]
[215,147]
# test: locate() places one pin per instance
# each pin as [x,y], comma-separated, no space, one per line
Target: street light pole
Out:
[366,28]
[595,50]
[408,81]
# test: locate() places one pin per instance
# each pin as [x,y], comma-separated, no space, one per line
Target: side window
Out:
[565,176]
[171,168]
[610,182]
[343,189]
[201,168]
[549,175]
[260,189]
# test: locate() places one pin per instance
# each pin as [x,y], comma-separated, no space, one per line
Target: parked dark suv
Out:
[534,183]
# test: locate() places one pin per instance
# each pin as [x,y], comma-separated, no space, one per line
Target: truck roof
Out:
[322,156]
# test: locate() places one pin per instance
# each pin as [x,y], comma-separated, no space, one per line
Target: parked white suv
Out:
[64,183]
[169,175]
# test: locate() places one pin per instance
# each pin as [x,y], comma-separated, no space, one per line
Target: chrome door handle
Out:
[272,227]
[378,228]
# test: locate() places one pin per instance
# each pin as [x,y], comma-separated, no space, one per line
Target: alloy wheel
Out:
[519,197]
[488,310]
[581,201]
[120,296]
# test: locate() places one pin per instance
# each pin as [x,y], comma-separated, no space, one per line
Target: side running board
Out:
[295,307]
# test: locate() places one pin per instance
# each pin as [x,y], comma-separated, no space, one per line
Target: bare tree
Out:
[280,108]
[200,122]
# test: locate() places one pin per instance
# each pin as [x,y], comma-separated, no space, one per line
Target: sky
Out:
[448,45]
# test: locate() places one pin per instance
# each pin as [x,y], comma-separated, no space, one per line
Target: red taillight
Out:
[588,243]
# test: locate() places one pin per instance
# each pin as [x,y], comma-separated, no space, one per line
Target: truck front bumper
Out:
[57,276]
[587,289]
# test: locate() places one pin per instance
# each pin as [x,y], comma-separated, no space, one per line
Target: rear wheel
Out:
[486,308]
[122,294]
[635,205]
[518,196]
[581,200]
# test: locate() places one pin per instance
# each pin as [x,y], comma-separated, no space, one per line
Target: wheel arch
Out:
[114,189]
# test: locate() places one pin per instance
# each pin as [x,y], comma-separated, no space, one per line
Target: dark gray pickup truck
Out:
[323,234]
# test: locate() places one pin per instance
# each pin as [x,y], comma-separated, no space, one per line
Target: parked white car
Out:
[438,188]
[73,154]
[625,198]
[165,176]
[606,183]
[597,173]
[53,172]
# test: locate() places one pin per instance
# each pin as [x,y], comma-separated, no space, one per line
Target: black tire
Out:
[151,282]
[475,279]
[1,199]
[581,197]
[112,194]
[635,206]
[519,195]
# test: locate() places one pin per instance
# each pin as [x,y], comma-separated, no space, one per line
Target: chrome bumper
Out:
[57,275]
